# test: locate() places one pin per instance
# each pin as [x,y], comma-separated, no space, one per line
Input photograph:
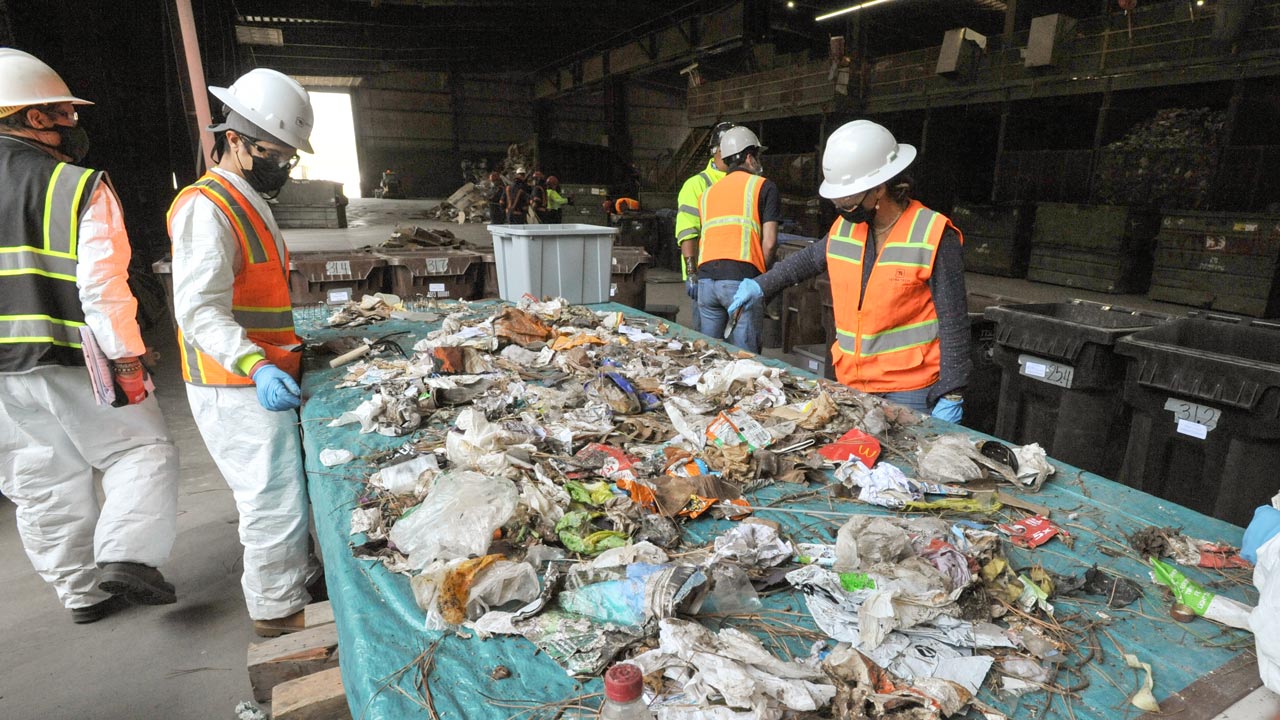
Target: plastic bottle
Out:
[624,694]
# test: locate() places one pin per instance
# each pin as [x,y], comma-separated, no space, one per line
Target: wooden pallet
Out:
[298,673]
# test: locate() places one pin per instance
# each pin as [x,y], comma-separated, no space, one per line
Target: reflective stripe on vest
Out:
[748,227]
[260,294]
[899,338]
[40,329]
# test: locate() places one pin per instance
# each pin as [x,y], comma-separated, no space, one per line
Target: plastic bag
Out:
[501,583]
[731,591]
[457,519]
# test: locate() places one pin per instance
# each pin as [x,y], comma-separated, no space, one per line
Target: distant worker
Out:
[555,201]
[66,258]
[538,195]
[493,196]
[688,224]
[897,277]
[515,199]
[389,186]
[241,358]
[740,216]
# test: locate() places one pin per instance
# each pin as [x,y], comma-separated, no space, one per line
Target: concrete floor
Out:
[187,661]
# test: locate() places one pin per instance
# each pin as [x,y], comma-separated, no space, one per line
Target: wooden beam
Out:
[319,696]
[291,656]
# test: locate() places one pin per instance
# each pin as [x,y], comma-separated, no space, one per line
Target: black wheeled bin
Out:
[1205,397]
[1061,379]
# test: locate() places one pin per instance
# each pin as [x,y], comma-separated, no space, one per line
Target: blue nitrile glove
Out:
[1265,525]
[949,410]
[276,390]
[691,287]
[748,292]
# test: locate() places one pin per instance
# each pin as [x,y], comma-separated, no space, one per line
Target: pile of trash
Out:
[467,204]
[1167,161]
[555,457]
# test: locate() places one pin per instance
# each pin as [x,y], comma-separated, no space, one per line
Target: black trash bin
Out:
[982,395]
[1061,379]
[1205,397]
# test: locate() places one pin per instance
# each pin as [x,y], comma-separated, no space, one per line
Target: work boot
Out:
[280,626]
[97,611]
[139,584]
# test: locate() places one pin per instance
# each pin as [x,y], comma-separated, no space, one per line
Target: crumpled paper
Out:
[1033,465]
[752,545]
[733,667]
[719,380]
[886,485]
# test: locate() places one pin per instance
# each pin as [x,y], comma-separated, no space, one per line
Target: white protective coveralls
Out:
[1265,619]
[258,451]
[57,434]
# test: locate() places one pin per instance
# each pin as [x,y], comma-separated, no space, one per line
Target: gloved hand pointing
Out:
[949,410]
[276,389]
[748,292]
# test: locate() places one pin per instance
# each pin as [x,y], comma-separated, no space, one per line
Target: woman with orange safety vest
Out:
[239,353]
[897,277]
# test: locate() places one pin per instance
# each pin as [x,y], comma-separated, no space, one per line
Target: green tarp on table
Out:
[381,629]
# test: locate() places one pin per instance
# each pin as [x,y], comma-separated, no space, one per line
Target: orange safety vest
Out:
[730,212]
[259,296]
[891,344]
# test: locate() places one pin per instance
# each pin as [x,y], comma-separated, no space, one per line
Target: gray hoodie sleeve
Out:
[797,268]
[951,303]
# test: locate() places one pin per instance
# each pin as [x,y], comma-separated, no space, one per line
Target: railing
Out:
[805,86]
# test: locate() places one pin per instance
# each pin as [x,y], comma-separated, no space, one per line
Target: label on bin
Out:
[436,288]
[339,296]
[1194,429]
[1202,416]
[337,267]
[613,289]
[1046,371]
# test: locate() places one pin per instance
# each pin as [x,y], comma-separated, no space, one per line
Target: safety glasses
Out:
[270,155]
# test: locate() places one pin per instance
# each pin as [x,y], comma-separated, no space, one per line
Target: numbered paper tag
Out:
[339,296]
[613,289]
[1201,416]
[335,268]
[1046,371]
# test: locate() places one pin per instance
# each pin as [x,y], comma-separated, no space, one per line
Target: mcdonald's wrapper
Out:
[853,444]
[1031,532]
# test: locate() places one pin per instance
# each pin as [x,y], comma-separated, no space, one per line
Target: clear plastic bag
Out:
[457,519]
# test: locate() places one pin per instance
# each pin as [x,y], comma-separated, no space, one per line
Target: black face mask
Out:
[72,142]
[266,176]
[857,215]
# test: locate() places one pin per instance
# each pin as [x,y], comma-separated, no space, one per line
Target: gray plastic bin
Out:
[571,261]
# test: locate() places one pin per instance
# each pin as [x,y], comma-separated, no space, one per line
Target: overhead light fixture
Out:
[851,8]
[791,4]
[1199,3]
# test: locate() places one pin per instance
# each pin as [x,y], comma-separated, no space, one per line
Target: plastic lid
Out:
[623,683]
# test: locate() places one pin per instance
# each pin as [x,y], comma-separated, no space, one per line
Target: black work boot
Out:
[139,584]
[97,611]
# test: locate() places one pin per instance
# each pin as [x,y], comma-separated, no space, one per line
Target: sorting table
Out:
[381,628]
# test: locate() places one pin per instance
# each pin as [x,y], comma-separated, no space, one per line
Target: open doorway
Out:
[334,140]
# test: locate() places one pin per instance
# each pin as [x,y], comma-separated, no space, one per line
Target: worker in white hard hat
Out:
[240,356]
[897,277]
[688,224]
[515,199]
[740,216]
[64,258]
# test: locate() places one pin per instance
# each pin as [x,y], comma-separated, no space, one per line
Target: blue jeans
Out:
[714,298]
[917,400]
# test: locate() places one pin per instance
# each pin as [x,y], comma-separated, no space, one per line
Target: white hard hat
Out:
[25,80]
[273,102]
[859,156]
[737,139]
